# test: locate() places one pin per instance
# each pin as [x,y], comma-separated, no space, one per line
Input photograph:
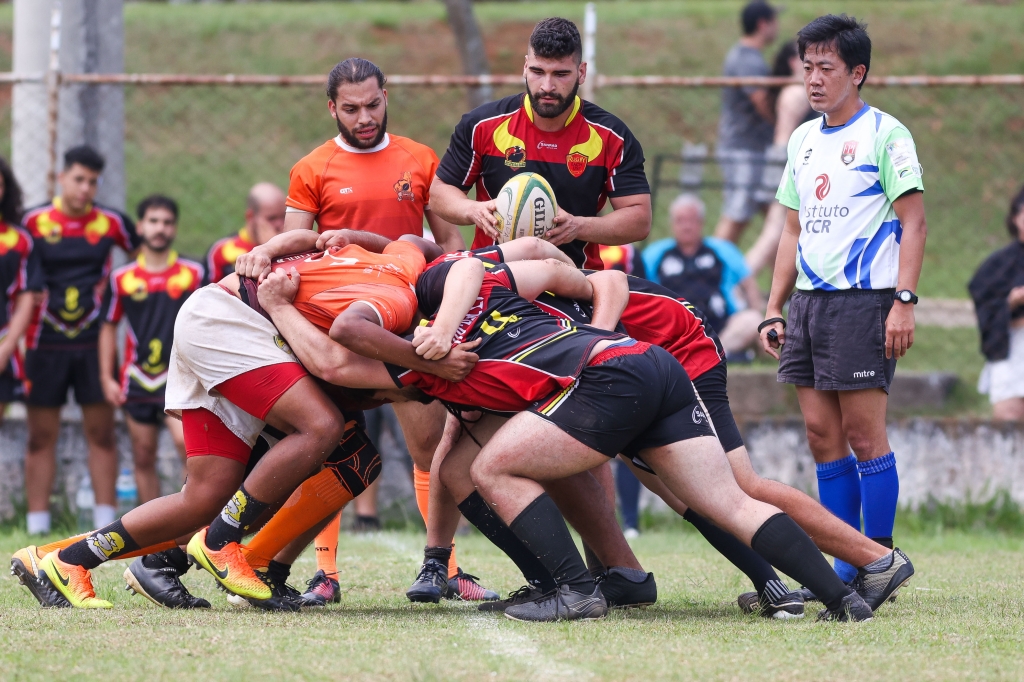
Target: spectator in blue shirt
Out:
[710,273]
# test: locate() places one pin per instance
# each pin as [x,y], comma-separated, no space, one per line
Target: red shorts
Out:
[257,390]
[206,434]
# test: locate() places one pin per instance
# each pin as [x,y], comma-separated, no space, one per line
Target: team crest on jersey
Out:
[849,152]
[515,157]
[403,188]
[576,163]
[49,229]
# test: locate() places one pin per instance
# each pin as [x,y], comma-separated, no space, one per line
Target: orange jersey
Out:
[332,281]
[384,191]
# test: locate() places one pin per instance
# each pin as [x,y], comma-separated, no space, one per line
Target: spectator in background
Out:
[19,265]
[791,110]
[710,273]
[998,292]
[745,127]
[264,218]
[148,292]
[74,239]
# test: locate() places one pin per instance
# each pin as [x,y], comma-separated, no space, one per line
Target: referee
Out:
[588,156]
[852,246]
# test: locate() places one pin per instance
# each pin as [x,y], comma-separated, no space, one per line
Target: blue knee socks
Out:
[879,492]
[839,489]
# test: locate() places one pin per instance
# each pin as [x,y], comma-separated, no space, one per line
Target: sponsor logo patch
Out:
[807,156]
[822,185]
[697,416]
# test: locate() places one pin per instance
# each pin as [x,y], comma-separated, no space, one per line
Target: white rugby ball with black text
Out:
[526,207]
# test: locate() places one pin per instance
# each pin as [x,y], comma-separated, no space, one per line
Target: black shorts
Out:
[151,413]
[835,340]
[628,399]
[712,393]
[52,371]
[11,388]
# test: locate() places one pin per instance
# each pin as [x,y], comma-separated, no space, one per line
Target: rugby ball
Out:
[526,207]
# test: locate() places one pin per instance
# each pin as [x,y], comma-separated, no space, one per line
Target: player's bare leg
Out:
[41,460]
[98,425]
[145,438]
[177,435]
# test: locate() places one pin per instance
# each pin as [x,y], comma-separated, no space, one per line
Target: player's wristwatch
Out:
[905,296]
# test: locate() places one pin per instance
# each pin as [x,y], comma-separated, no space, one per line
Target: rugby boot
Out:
[807,595]
[790,605]
[563,603]
[284,597]
[159,581]
[623,593]
[71,582]
[228,567]
[522,595]
[322,587]
[465,587]
[853,608]
[878,585]
[431,584]
[25,567]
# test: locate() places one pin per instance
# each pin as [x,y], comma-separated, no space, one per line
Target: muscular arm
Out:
[298,220]
[532,248]
[452,204]
[446,234]
[461,290]
[783,280]
[108,364]
[629,222]
[609,292]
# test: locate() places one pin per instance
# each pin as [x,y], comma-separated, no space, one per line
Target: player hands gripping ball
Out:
[525,207]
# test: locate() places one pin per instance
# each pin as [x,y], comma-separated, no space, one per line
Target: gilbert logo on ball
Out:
[526,207]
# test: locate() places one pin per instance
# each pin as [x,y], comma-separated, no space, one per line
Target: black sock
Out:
[884,542]
[440,554]
[279,572]
[787,547]
[480,514]
[239,513]
[542,529]
[174,557]
[107,543]
[594,564]
[742,557]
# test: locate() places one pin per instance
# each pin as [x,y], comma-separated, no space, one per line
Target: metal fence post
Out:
[53,100]
[589,51]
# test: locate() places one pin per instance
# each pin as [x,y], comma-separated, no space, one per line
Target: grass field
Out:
[960,618]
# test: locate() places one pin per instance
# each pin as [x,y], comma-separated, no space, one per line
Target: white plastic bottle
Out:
[85,500]
[127,492]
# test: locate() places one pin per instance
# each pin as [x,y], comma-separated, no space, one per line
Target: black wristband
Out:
[772,320]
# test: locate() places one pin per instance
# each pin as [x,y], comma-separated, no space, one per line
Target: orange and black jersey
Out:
[525,353]
[594,157]
[220,259]
[657,316]
[74,257]
[150,301]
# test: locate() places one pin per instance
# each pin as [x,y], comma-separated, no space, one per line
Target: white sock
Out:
[103,515]
[38,522]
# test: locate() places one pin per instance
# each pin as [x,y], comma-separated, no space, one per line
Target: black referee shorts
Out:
[835,340]
[628,399]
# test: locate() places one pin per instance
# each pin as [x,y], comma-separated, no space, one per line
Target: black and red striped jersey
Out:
[594,157]
[19,272]
[525,353]
[656,315]
[74,257]
[220,259]
[150,301]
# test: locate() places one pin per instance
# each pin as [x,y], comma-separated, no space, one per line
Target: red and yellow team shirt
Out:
[594,157]
[74,258]
[384,190]
[19,272]
[150,301]
[220,259]
[333,280]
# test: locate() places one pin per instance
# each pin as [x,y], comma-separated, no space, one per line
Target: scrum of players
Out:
[519,369]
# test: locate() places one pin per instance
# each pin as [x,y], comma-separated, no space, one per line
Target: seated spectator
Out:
[710,273]
[998,292]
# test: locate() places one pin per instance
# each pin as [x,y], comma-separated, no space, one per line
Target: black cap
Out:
[755,12]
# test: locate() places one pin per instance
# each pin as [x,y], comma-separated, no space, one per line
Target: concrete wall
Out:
[948,459]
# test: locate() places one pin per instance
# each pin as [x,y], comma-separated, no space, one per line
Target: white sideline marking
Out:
[503,641]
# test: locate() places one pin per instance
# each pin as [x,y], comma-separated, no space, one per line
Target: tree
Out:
[471,47]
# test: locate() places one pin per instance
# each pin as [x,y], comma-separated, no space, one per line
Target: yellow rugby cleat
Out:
[71,582]
[228,567]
